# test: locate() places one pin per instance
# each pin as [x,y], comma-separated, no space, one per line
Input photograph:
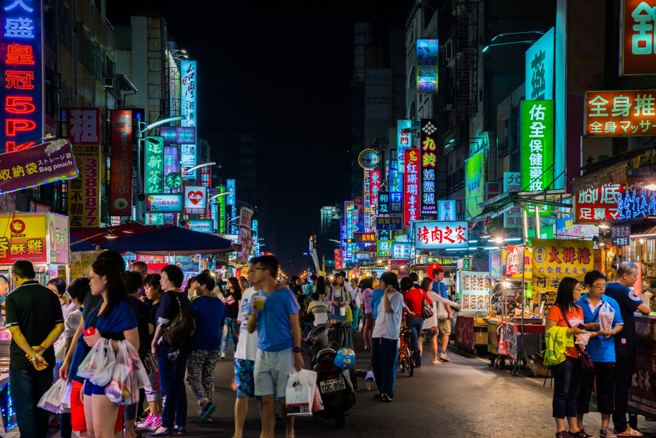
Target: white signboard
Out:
[474,290]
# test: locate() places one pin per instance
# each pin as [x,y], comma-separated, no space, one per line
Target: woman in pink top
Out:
[366,285]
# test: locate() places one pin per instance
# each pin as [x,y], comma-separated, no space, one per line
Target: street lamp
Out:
[158,123]
[336,241]
[539,32]
[220,194]
[199,166]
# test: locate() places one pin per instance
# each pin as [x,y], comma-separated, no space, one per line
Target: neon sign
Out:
[188,101]
[22,62]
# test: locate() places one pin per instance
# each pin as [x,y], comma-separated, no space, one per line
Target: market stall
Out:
[473,288]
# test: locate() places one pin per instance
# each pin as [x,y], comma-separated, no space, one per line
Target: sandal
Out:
[631,432]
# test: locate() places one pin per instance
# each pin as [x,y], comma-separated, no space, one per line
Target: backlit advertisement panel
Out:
[427,69]
[202,226]
[626,113]
[474,187]
[84,191]
[434,235]
[404,141]
[189,110]
[396,183]
[121,163]
[164,202]
[638,45]
[429,159]
[195,200]
[411,186]
[539,81]
[537,144]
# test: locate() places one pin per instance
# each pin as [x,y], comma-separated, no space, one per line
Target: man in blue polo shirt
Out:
[601,348]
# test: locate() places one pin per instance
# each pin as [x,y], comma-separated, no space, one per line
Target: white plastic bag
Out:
[106,364]
[583,338]
[60,351]
[120,389]
[138,369]
[299,394]
[53,397]
[93,362]
[317,404]
[65,405]
[606,316]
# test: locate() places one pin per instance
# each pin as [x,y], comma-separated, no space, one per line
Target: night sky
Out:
[284,72]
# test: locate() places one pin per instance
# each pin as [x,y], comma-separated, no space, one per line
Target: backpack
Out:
[181,328]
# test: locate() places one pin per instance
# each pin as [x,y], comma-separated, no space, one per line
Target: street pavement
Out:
[463,398]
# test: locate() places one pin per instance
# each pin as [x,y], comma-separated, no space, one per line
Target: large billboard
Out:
[638,45]
[195,200]
[539,81]
[121,163]
[435,235]
[189,110]
[537,148]
[474,187]
[22,96]
[427,68]
[429,159]
[411,183]
[620,113]
[84,191]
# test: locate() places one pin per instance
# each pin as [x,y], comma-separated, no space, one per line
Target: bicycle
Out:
[405,360]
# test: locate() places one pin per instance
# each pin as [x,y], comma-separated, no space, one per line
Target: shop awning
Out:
[100,235]
[170,240]
[81,245]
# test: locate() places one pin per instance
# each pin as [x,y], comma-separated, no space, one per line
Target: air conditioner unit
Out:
[448,50]
[108,82]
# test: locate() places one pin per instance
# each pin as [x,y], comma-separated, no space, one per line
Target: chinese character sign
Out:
[195,200]
[595,204]
[492,189]
[171,164]
[178,134]
[350,218]
[383,203]
[427,69]
[474,179]
[35,166]
[121,170]
[537,146]
[514,263]
[84,125]
[554,260]
[428,166]
[205,177]
[384,248]
[164,203]
[231,185]
[339,263]
[21,58]
[539,80]
[24,238]
[154,218]
[389,223]
[512,182]
[620,113]
[620,235]
[513,218]
[496,263]
[404,140]
[84,191]
[245,237]
[396,183]
[638,43]
[411,186]
[474,290]
[189,110]
[433,235]
[375,192]
[222,211]
[446,210]
[154,165]
[202,226]
[401,251]
[367,200]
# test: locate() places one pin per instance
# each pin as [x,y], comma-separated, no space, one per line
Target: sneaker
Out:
[581,433]
[147,423]
[205,414]
[563,434]
[385,398]
[444,357]
[223,356]
[607,432]
[157,422]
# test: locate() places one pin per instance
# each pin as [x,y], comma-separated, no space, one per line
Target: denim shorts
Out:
[90,388]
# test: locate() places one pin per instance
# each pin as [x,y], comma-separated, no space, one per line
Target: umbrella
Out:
[99,235]
[81,246]
[170,240]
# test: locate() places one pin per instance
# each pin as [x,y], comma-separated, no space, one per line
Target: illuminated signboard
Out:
[620,113]
[178,134]
[404,141]
[474,290]
[190,111]
[154,218]
[164,202]
[384,248]
[205,177]
[512,182]
[364,237]
[202,226]
[389,223]
[121,170]
[446,210]
[154,163]
[195,200]
[492,189]
[474,187]
[172,178]
[396,183]
[638,44]
[383,203]
[222,211]
[21,43]
[537,144]
[84,191]
[428,166]
[539,81]
[595,204]
[433,234]
[401,251]
[231,188]
[351,218]
[375,190]
[367,200]
[411,186]
[427,69]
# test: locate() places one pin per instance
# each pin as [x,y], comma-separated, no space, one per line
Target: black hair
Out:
[113,256]
[4,279]
[313,277]
[24,270]
[565,297]
[152,280]
[390,279]
[234,283]
[206,279]
[140,265]
[133,281]
[593,276]
[79,288]
[437,271]
[413,276]
[321,285]
[188,285]
[367,283]
[175,274]
[406,284]
[59,284]
[316,296]
[425,283]
[116,291]
[269,263]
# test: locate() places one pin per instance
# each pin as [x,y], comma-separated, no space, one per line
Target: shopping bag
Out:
[606,316]
[60,352]
[317,404]
[106,360]
[583,338]
[65,405]
[138,369]
[121,388]
[93,362]
[299,394]
[53,397]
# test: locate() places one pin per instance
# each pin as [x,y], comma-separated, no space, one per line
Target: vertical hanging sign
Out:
[21,45]
[121,170]
[427,71]
[396,183]
[205,177]
[428,167]
[537,144]
[411,186]
[404,141]
[638,43]
[367,200]
[188,109]
[154,165]
[222,211]
[375,190]
[171,160]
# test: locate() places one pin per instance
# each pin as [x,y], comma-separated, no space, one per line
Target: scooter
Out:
[334,384]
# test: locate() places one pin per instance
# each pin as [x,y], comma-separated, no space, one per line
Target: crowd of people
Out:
[594,354]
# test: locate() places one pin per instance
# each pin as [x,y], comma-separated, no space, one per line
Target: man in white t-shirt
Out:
[245,357]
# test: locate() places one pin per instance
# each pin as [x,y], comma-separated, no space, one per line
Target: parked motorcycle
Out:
[334,383]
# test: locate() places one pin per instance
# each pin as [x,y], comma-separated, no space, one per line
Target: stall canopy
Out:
[100,235]
[170,241]
[81,245]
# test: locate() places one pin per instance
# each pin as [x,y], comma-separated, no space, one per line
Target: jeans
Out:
[567,381]
[231,323]
[624,366]
[415,324]
[604,374]
[171,374]
[384,354]
[65,426]
[27,387]
[356,319]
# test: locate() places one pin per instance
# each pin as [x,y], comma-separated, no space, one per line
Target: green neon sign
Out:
[537,118]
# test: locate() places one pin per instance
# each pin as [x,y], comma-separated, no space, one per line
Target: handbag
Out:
[587,366]
[181,328]
[426,307]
